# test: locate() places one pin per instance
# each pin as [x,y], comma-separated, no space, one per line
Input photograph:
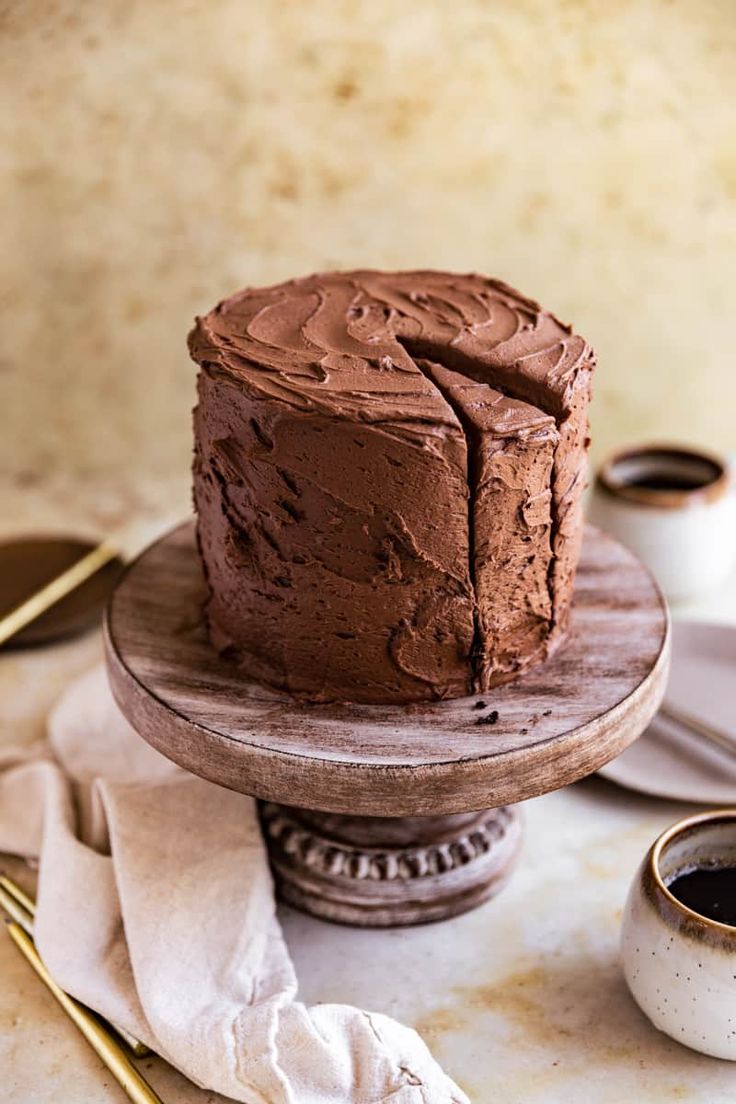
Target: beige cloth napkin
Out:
[156,907]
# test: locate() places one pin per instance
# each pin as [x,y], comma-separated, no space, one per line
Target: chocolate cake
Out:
[388,476]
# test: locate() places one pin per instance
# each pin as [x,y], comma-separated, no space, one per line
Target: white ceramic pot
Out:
[681,966]
[676,509]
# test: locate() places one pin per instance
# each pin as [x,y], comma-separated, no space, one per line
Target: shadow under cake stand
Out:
[382,815]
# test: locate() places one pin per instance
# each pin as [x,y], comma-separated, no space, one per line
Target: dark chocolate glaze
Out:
[388,472]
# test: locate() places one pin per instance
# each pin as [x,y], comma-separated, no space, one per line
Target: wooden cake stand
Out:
[382,815]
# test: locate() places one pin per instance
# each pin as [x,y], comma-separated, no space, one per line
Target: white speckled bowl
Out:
[681,966]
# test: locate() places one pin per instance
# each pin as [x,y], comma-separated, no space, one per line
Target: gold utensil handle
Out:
[111,1053]
[55,590]
[716,736]
[14,890]
[16,911]
[22,909]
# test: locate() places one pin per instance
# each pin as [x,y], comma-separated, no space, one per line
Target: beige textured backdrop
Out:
[158,154]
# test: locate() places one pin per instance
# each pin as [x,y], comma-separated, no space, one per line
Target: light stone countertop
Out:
[522,1000]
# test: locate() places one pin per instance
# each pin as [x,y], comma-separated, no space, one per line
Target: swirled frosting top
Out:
[347,343]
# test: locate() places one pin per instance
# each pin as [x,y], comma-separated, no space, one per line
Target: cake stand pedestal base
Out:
[380,872]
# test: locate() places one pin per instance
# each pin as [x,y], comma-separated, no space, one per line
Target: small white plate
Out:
[669,762]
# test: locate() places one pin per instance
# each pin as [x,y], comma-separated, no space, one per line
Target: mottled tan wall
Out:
[157,154]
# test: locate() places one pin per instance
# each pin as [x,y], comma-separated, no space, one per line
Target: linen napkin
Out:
[156,908]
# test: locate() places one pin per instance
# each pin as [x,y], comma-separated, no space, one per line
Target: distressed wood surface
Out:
[556,724]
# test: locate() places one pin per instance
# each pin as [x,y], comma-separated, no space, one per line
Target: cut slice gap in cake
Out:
[510,451]
[555,378]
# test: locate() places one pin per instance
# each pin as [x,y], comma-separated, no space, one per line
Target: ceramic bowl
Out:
[676,509]
[681,966]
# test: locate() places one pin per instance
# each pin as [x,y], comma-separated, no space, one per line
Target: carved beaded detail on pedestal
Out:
[333,857]
[377,872]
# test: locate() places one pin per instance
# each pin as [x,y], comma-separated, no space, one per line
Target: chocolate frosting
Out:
[388,472]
